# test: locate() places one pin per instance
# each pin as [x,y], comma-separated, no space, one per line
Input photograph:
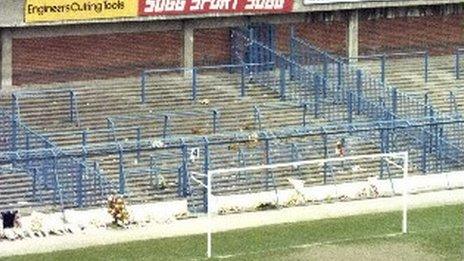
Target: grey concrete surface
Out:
[6,58]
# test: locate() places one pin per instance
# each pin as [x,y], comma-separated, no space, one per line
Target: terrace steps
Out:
[213,92]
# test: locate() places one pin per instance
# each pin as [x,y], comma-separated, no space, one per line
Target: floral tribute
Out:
[117,209]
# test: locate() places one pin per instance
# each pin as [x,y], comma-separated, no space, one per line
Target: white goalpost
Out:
[387,157]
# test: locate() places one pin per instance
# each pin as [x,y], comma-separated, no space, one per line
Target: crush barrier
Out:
[363,95]
[398,105]
[68,179]
[194,79]
[239,149]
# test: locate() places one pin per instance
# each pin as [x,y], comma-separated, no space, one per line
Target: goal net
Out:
[304,183]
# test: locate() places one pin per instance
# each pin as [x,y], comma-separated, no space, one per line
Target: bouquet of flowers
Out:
[117,209]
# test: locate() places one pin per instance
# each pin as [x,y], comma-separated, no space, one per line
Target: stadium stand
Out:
[142,127]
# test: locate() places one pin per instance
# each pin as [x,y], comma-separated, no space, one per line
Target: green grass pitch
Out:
[435,233]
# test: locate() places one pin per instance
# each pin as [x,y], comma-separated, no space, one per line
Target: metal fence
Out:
[71,181]
[151,156]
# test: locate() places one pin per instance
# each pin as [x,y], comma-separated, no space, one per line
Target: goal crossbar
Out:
[401,155]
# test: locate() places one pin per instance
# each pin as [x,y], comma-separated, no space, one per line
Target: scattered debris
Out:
[157,144]
[266,206]
[204,102]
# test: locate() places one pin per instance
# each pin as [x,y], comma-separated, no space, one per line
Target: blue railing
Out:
[385,57]
[44,158]
[69,96]
[362,94]
[169,123]
[50,167]
[399,104]
[457,62]
[194,78]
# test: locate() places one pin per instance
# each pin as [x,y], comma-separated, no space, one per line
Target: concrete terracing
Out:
[172,94]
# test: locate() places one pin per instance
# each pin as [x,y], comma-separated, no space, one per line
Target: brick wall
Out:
[329,36]
[42,60]
[68,58]
[211,46]
[437,33]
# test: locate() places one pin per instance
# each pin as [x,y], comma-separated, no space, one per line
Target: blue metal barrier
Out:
[72,107]
[139,145]
[359,88]
[383,58]
[267,157]
[166,126]
[257,118]
[383,61]
[164,123]
[282,82]
[215,120]
[194,74]
[328,84]
[183,180]
[242,80]
[367,97]
[142,145]
[194,84]
[122,175]
[143,84]
[457,63]
[326,153]
[305,112]
[426,66]
[66,94]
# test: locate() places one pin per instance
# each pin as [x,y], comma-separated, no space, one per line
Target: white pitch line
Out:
[305,246]
[316,244]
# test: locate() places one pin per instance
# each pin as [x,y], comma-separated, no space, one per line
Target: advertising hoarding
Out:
[62,10]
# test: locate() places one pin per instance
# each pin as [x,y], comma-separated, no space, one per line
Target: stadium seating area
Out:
[407,73]
[142,136]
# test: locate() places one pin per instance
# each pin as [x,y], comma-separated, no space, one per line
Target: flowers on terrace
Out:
[117,209]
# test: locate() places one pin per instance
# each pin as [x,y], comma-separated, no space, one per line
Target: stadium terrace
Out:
[121,114]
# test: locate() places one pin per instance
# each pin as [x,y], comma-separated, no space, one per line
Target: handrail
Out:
[386,55]
[457,63]
[44,94]
[336,59]
[50,149]
[395,93]
[221,66]
[173,142]
[32,93]
[90,132]
[161,114]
